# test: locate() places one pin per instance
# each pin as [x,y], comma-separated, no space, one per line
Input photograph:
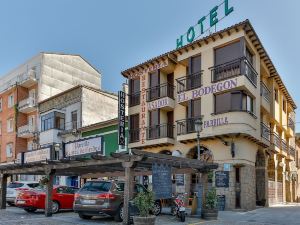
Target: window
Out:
[194,108]
[9,150]
[228,53]
[284,105]
[0,104]
[53,120]
[134,86]
[10,125]
[233,101]
[276,94]
[74,119]
[10,101]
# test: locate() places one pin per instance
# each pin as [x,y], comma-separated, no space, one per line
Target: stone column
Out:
[276,177]
[283,180]
[3,186]
[128,191]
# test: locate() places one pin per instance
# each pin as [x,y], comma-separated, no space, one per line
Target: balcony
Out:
[276,141]
[291,124]
[161,97]
[284,146]
[134,99]
[189,82]
[292,152]
[27,105]
[160,131]
[232,69]
[26,131]
[134,135]
[265,132]
[265,93]
[186,126]
[28,79]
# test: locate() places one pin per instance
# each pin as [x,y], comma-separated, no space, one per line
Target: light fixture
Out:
[198,125]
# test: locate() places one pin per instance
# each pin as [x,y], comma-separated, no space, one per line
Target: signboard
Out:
[221,201]
[159,103]
[211,89]
[215,122]
[85,146]
[179,179]
[121,115]
[162,182]
[37,155]
[143,110]
[149,69]
[205,23]
[222,179]
[227,167]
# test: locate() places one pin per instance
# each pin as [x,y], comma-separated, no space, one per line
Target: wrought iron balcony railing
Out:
[265,131]
[160,91]
[277,140]
[134,135]
[291,124]
[160,131]
[189,82]
[186,126]
[284,146]
[292,151]
[265,92]
[134,99]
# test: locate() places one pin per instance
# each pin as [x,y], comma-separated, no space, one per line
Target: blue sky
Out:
[116,34]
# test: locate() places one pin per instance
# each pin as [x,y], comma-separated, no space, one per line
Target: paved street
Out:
[279,215]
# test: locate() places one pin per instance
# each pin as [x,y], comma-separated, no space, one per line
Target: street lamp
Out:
[198,129]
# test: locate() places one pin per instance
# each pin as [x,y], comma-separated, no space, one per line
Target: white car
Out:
[14,187]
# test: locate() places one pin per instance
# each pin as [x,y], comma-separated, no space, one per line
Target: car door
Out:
[63,197]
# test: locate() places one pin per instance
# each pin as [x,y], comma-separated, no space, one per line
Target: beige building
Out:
[228,80]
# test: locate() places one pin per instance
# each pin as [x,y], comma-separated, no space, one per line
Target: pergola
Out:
[119,164]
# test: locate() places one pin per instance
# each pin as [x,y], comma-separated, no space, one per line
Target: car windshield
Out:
[96,186]
[15,185]
[33,185]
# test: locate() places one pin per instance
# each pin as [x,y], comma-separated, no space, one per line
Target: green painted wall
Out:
[110,137]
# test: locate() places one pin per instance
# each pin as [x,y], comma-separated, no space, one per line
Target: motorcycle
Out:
[178,208]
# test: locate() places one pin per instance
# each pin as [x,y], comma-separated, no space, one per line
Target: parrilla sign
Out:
[83,147]
[38,155]
[211,89]
[204,24]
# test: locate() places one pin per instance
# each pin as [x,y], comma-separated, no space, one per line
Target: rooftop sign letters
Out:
[83,147]
[149,69]
[204,24]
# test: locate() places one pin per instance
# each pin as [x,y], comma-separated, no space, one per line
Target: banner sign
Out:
[121,115]
[85,146]
[162,182]
[205,23]
[37,155]
[211,89]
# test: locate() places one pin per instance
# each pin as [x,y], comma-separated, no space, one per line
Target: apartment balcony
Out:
[234,68]
[265,94]
[291,126]
[27,105]
[28,79]
[276,142]
[292,152]
[134,99]
[186,129]
[265,133]
[26,131]
[161,97]
[284,146]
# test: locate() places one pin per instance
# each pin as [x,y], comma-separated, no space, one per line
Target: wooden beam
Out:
[49,191]
[221,35]
[128,191]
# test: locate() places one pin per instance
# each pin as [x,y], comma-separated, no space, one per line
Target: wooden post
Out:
[128,191]
[3,186]
[49,190]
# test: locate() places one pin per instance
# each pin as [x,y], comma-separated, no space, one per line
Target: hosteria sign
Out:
[211,89]
[85,146]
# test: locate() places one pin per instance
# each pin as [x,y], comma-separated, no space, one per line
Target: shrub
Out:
[211,199]
[144,201]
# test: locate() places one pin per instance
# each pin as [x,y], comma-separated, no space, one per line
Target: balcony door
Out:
[154,81]
[193,113]
[194,71]
[154,124]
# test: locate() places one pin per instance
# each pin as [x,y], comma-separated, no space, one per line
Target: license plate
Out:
[21,202]
[88,202]
[181,209]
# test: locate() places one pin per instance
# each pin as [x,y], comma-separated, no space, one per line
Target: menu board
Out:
[222,178]
[221,202]
[162,182]
[179,179]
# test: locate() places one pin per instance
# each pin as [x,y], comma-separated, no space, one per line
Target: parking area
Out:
[278,215]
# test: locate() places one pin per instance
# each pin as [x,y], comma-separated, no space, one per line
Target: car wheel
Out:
[55,207]
[119,215]
[85,217]
[156,209]
[30,210]
[10,204]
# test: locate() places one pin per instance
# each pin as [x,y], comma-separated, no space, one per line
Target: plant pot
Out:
[210,214]
[138,220]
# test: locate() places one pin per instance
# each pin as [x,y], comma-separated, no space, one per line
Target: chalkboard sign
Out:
[221,202]
[162,182]
[222,178]
[179,179]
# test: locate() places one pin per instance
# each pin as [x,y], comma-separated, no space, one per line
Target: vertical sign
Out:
[121,115]
[143,107]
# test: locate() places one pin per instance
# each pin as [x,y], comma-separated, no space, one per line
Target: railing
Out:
[292,151]
[265,131]
[277,140]
[237,67]
[134,99]
[134,135]
[160,91]
[26,129]
[291,124]
[189,82]
[160,131]
[28,102]
[284,145]
[186,126]
[265,92]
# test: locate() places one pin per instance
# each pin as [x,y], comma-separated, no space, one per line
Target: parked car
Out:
[14,187]
[105,198]
[31,200]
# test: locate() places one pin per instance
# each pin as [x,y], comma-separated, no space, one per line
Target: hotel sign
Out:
[37,155]
[85,146]
[205,23]
[149,69]
[211,89]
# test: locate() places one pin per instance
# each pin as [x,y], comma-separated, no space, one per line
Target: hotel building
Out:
[229,81]
[21,90]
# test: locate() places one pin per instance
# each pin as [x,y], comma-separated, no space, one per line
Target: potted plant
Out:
[144,201]
[210,211]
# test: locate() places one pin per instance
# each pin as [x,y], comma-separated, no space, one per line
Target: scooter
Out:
[178,208]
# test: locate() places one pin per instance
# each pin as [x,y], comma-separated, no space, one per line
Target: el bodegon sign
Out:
[205,23]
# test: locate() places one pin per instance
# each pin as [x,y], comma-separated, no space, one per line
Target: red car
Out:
[31,200]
